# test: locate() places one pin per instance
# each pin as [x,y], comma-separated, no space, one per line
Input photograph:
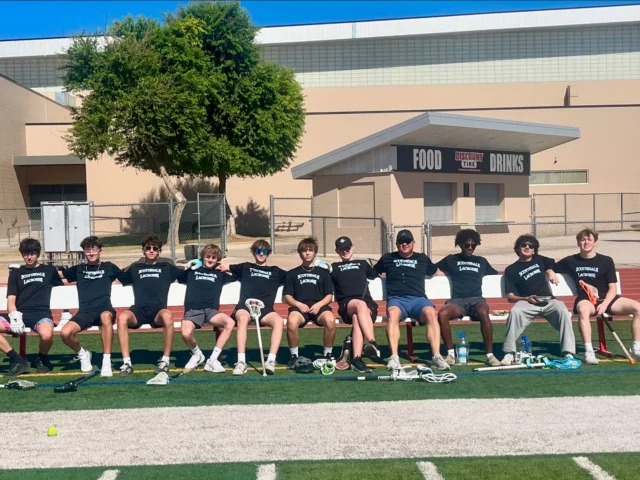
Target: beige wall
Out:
[47,139]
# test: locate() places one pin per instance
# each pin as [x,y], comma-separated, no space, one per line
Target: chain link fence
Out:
[623,208]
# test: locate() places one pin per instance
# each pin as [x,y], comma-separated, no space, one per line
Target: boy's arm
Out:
[11,304]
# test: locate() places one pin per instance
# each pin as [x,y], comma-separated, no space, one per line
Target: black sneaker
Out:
[18,368]
[372,351]
[43,367]
[357,365]
[292,362]
[126,370]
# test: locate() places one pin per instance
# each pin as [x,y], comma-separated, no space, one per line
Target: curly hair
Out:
[528,238]
[467,234]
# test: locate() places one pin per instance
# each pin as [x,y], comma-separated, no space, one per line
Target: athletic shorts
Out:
[145,316]
[608,310]
[265,311]
[91,318]
[5,324]
[310,317]
[200,316]
[346,318]
[33,320]
[410,306]
[467,306]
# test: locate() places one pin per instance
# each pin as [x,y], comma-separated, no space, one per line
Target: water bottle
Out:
[523,349]
[463,350]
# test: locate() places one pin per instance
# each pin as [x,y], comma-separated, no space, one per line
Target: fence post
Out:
[565,213]
[272,233]
[312,224]
[198,220]
[429,239]
[622,212]
[594,210]
[172,240]
[422,235]
[324,236]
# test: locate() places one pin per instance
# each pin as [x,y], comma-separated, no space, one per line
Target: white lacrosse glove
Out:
[16,323]
[322,264]
[194,264]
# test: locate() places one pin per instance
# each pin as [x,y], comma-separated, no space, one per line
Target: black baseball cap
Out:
[404,236]
[343,243]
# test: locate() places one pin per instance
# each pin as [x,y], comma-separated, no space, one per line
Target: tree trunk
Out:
[222,183]
[222,189]
[181,202]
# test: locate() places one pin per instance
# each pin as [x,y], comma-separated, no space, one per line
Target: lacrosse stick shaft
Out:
[508,367]
[264,370]
[615,335]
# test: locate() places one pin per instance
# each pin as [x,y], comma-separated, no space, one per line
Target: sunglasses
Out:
[527,245]
[405,242]
[261,251]
[151,248]
[470,245]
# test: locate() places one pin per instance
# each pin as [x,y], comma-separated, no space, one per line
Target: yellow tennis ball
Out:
[52,432]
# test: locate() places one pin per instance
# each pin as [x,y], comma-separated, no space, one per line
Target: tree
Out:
[188,97]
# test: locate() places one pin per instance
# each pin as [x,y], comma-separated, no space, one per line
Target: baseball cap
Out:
[404,236]
[343,243]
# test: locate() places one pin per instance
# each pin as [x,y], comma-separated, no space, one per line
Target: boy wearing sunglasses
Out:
[466,271]
[260,281]
[151,281]
[308,291]
[527,285]
[28,300]
[93,281]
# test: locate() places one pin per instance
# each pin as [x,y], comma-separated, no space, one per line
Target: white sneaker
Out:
[85,360]
[634,353]
[393,363]
[106,370]
[590,358]
[195,361]
[214,366]
[439,363]
[507,360]
[270,367]
[240,368]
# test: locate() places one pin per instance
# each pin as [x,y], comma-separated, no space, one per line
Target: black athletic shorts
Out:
[346,318]
[145,316]
[265,311]
[467,306]
[33,319]
[608,310]
[310,317]
[91,318]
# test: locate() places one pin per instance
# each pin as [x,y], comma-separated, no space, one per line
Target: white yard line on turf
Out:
[596,471]
[266,472]
[109,475]
[403,429]
[429,471]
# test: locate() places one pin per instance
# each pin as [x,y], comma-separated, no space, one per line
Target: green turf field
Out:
[621,466]
[611,377]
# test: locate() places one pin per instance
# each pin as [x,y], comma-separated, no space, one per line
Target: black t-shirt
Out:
[32,287]
[204,287]
[405,276]
[308,286]
[466,274]
[350,279]
[261,282]
[529,278]
[598,272]
[151,282]
[94,284]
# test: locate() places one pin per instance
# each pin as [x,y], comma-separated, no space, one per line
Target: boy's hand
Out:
[303,308]
[314,308]
[222,268]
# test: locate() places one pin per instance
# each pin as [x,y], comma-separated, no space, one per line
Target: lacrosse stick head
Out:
[255,307]
[160,379]
[20,385]
[404,373]
[66,388]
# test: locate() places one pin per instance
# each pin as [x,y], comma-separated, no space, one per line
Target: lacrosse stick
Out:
[255,307]
[163,378]
[593,298]
[72,386]
[566,364]
[19,385]
[528,364]
[427,375]
[403,373]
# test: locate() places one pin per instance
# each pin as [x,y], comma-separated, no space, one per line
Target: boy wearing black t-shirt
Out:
[308,291]
[262,282]
[405,271]
[93,282]
[599,272]
[201,304]
[527,285]
[28,299]
[355,305]
[466,272]
[151,281]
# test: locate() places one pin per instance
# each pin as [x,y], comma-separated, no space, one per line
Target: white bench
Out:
[438,288]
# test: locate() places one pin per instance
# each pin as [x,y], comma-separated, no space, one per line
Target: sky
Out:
[41,19]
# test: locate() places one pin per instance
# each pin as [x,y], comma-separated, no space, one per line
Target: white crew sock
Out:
[127,360]
[636,346]
[328,351]
[106,358]
[216,353]
[165,359]
[294,351]
[489,355]
[82,351]
[271,357]
[242,357]
[196,350]
[588,347]
[451,352]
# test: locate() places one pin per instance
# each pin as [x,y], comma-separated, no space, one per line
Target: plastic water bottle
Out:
[463,350]
[523,349]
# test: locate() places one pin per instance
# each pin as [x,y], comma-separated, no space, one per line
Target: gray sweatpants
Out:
[555,312]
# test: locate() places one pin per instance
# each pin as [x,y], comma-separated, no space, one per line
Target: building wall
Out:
[47,139]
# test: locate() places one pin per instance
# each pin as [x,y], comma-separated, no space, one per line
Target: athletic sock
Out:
[82,351]
[271,357]
[636,346]
[489,355]
[451,352]
[294,351]
[242,357]
[106,358]
[43,357]
[127,360]
[196,350]
[328,351]
[166,359]
[588,347]
[13,356]
[216,353]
